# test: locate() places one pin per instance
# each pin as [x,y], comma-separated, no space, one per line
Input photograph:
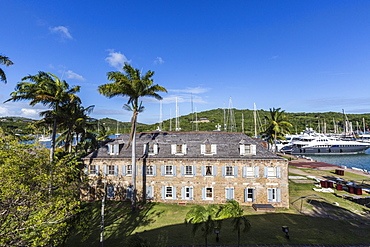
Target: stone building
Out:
[190,167]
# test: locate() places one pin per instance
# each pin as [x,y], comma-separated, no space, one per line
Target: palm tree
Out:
[49,90]
[203,218]
[276,127]
[233,210]
[5,61]
[133,85]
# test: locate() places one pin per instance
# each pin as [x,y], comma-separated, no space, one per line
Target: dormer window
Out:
[207,148]
[247,149]
[178,148]
[114,148]
[151,148]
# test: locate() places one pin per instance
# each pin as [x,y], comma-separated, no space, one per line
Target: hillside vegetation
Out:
[232,120]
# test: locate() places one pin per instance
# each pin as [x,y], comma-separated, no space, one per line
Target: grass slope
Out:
[313,218]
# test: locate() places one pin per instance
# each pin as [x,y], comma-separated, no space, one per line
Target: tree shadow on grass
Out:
[119,223]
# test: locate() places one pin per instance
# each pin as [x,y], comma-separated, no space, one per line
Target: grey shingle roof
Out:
[227,145]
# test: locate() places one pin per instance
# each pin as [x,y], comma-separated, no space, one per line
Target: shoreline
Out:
[301,162]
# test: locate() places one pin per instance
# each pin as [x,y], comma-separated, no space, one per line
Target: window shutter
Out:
[149,192]
[109,149]
[174,170]
[184,149]
[242,149]
[154,170]
[115,170]
[232,193]
[174,193]
[203,170]
[202,148]
[105,170]
[182,170]
[145,149]
[124,170]
[253,149]
[278,172]
[278,195]
[265,172]
[173,148]
[115,149]
[163,192]
[194,171]
[162,170]
[244,171]
[203,193]
[97,170]
[235,171]
[214,171]
[223,171]
[86,170]
[191,193]
[183,193]
[269,195]
[245,195]
[256,171]
[214,149]
[155,147]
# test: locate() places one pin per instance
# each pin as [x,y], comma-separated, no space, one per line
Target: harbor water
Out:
[360,161]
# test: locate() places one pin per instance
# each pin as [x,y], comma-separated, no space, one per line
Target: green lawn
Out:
[321,222]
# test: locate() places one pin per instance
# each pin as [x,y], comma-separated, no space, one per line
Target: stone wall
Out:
[218,183]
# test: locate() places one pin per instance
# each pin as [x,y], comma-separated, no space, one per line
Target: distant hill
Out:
[209,120]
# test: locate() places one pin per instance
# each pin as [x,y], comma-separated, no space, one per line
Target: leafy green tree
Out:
[4,61]
[29,214]
[49,90]
[276,127]
[204,218]
[133,85]
[233,210]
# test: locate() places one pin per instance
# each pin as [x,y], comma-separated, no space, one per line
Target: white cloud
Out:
[274,57]
[158,60]
[116,59]
[72,75]
[194,90]
[29,113]
[5,112]
[63,31]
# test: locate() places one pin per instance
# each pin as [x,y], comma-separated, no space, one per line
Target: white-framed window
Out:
[151,148]
[110,170]
[149,192]
[249,195]
[207,193]
[113,149]
[247,149]
[178,149]
[93,169]
[110,192]
[229,171]
[168,170]
[251,172]
[208,170]
[188,170]
[208,149]
[151,170]
[272,172]
[187,193]
[229,193]
[273,195]
[129,170]
[168,192]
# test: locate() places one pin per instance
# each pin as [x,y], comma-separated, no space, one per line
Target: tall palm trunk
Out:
[133,160]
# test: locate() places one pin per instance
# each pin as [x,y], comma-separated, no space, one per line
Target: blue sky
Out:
[302,56]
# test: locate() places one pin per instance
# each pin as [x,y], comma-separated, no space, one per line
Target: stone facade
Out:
[190,167]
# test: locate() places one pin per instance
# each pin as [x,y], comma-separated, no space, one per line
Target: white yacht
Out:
[315,143]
